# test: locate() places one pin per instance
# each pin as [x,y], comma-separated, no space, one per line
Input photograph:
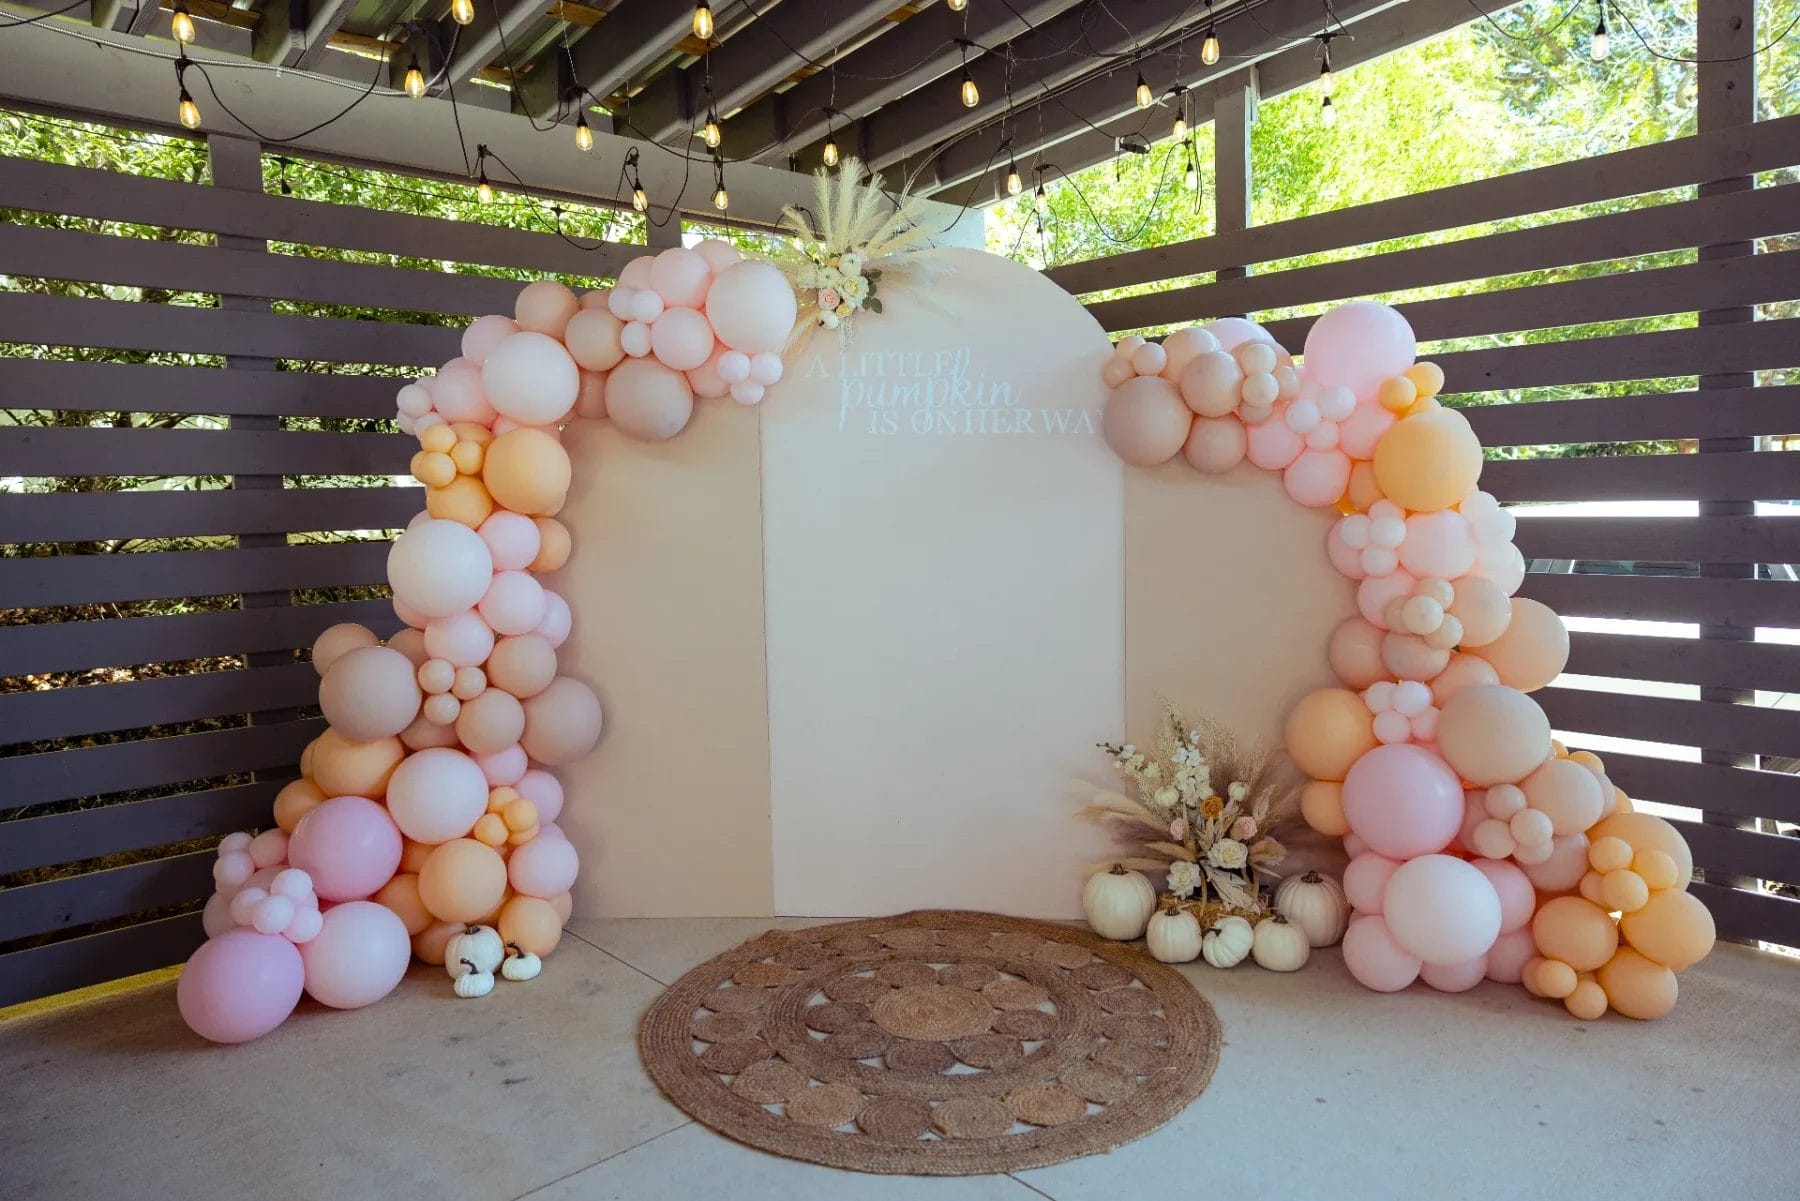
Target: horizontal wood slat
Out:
[63,451]
[1739,791]
[1668,539]
[91,579]
[1717,725]
[78,962]
[1667,598]
[1719,662]
[112,196]
[75,901]
[182,267]
[101,516]
[1728,412]
[183,329]
[1740,150]
[153,762]
[1707,350]
[30,842]
[1751,916]
[1746,475]
[96,708]
[1613,296]
[139,388]
[79,645]
[1743,852]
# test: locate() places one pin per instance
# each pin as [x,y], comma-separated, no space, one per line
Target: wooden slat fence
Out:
[1565,376]
[153,688]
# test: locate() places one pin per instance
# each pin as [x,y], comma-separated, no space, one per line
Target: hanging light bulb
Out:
[830,154]
[1327,113]
[1014,185]
[710,133]
[484,191]
[1325,72]
[721,198]
[584,137]
[971,95]
[1040,201]
[703,21]
[1181,117]
[1145,98]
[414,83]
[1598,48]
[1209,49]
[189,111]
[640,200]
[181,24]
[1193,170]
[956,6]
[462,11]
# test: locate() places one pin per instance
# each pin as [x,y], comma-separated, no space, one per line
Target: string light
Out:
[1039,200]
[710,133]
[830,154]
[1209,49]
[181,24]
[640,200]
[703,21]
[484,191]
[584,137]
[956,6]
[415,80]
[1014,185]
[971,95]
[1145,97]
[1181,117]
[462,11]
[1193,168]
[1327,113]
[721,198]
[1325,84]
[1598,48]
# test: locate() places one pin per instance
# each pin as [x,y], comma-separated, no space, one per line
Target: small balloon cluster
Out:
[1480,847]
[254,887]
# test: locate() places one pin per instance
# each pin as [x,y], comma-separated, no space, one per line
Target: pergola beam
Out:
[297,33]
[632,38]
[497,27]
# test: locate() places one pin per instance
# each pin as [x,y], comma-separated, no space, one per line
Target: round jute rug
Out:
[935,1043]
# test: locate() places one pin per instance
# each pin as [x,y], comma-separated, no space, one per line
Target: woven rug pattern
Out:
[932,1043]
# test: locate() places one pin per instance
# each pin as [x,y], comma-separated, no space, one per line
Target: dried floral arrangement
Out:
[1206,811]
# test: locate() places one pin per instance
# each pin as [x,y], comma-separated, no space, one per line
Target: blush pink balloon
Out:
[1517,898]
[1354,846]
[1215,444]
[648,400]
[543,867]
[349,845]
[1506,959]
[358,956]
[1233,332]
[595,298]
[505,768]
[412,401]
[463,640]
[1374,593]
[636,339]
[1273,445]
[1441,909]
[1146,422]
[1366,880]
[681,337]
[240,985]
[437,568]
[562,723]
[705,379]
[734,366]
[1463,671]
[514,604]
[646,306]
[1317,477]
[369,693]
[618,301]
[1403,800]
[530,378]
[590,402]
[1565,867]
[513,541]
[747,393]
[1508,573]
[593,339]
[640,272]
[681,277]
[718,255]
[458,394]
[1375,959]
[1455,977]
[1359,432]
[1357,345]
[415,620]
[1346,558]
[485,333]
[1439,545]
[765,368]
[558,621]
[751,306]
[543,790]
[434,796]
[1355,653]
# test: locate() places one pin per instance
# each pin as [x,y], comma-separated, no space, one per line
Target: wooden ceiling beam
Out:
[499,25]
[297,33]
[634,36]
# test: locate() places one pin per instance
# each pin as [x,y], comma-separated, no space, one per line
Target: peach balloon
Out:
[464,500]
[437,794]
[1674,928]
[681,338]
[1215,444]
[490,722]
[1549,978]
[295,801]
[1355,653]
[1576,932]
[462,881]
[1322,805]
[1645,832]
[1533,649]
[1180,347]
[1410,657]
[1636,986]
[1429,461]
[1588,1001]
[554,545]
[528,471]
[344,767]
[413,855]
[1363,490]
[648,400]
[1567,793]
[401,894]
[531,923]
[338,640]
[438,568]
[461,640]
[590,401]
[485,333]
[523,665]
[1483,607]
[429,944]
[371,692]
[546,307]
[1562,870]
[680,276]
[1328,731]
[1462,671]
[562,723]
[592,338]
[411,643]
[1145,421]
[1493,735]
[1210,383]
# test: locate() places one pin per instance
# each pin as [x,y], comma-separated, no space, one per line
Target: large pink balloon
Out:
[1366,880]
[1442,910]
[359,955]
[1455,977]
[648,400]
[1233,332]
[531,378]
[1506,959]
[1273,444]
[1513,887]
[593,339]
[1146,421]
[370,693]
[435,795]
[562,723]
[680,276]
[348,845]
[1357,345]
[751,306]
[543,867]
[1439,545]
[1216,444]
[483,334]
[458,395]
[513,541]
[1403,800]
[513,604]
[1375,959]
[462,640]
[543,790]
[1317,477]
[438,568]
[681,338]
[1358,433]
[240,986]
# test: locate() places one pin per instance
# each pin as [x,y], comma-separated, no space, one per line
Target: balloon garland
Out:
[426,809]
[1481,848]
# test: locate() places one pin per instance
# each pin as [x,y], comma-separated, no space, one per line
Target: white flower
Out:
[1166,797]
[830,277]
[1238,790]
[828,319]
[1184,878]
[855,288]
[850,263]
[1229,854]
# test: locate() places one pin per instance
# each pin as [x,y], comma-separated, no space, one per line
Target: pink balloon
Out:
[1354,846]
[640,272]
[1404,800]
[765,368]
[485,333]
[1233,332]
[1375,959]
[1509,573]
[505,768]
[747,393]
[618,301]
[734,366]
[358,956]
[1355,653]
[216,917]
[1374,593]
[1358,433]
[593,339]
[1116,372]
[558,621]
[1366,881]
[1216,444]
[1506,959]
[718,255]
[269,849]
[681,277]
[543,790]
[513,542]
[458,395]
[543,867]
[705,379]
[681,337]
[1346,558]
[1357,345]
[1441,909]
[412,401]
[1273,445]
[437,568]
[530,378]
[646,306]
[514,604]
[648,400]
[348,845]
[637,339]
[1317,477]
[463,640]
[1146,422]
[1565,867]
[590,402]
[435,795]
[1455,977]
[1438,545]
[239,986]
[752,307]
[415,620]
[562,723]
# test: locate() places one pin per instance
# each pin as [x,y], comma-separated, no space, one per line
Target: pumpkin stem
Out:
[466,963]
[1118,869]
[1312,878]
[513,948]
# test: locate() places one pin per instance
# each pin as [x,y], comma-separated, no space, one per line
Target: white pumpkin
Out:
[1315,903]
[1228,943]
[1173,936]
[1118,903]
[1280,945]
[474,984]
[480,945]
[520,965]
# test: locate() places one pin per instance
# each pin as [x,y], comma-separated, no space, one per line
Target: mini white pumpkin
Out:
[473,983]
[1173,936]
[1280,945]
[1228,943]
[1316,904]
[520,965]
[480,945]
[1118,903]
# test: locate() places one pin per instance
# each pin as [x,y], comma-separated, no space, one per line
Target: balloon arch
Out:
[1480,847]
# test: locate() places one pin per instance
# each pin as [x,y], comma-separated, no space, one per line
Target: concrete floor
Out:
[1323,1091]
